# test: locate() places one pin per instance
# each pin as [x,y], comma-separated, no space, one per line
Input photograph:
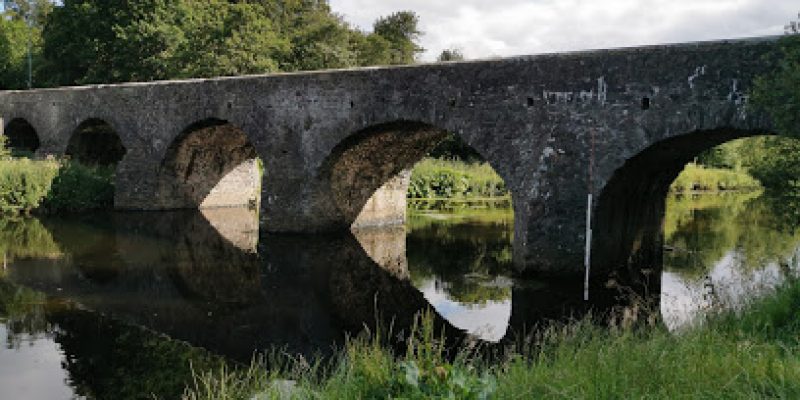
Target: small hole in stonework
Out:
[352,105]
[530,101]
[452,102]
[230,105]
[645,103]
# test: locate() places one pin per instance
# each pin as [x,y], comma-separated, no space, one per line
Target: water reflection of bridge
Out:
[210,280]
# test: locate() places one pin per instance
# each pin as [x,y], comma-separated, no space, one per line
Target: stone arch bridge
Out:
[337,146]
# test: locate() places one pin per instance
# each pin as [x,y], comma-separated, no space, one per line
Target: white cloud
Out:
[483,28]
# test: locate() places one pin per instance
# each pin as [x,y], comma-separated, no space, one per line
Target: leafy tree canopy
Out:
[100,41]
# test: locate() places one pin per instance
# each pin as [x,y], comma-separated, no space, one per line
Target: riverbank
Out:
[48,186]
[753,354]
[698,178]
[434,178]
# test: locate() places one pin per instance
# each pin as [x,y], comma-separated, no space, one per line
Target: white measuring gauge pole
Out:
[588,255]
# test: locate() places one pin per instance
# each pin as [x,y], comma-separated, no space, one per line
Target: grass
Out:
[734,355]
[696,178]
[445,179]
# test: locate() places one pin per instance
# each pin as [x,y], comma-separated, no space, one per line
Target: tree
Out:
[778,93]
[15,35]
[23,21]
[220,38]
[450,55]
[401,30]
[98,41]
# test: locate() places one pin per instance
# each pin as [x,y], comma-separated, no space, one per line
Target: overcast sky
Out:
[488,28]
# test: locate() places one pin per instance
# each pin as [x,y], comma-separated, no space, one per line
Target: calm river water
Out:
[115,306]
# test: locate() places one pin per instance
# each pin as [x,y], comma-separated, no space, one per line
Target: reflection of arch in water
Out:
[95,142]
[210,164]
[628,231]
[238,225]
[21,136]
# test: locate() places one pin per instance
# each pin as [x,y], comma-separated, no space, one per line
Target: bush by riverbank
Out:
[697,178]
[754,354]
[437,178]
[24,184]
[53,186]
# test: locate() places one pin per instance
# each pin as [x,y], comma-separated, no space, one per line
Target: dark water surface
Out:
[114,306]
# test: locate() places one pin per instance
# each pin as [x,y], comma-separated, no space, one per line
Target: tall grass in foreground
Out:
[753,354]
[699,178]
[437,178]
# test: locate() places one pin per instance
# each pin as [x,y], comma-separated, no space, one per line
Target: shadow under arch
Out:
[368,173]
[22,137]
[628,237]
[96,143]
[210,164]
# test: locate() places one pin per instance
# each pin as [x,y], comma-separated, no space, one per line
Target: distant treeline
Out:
[99,41]
[772,160]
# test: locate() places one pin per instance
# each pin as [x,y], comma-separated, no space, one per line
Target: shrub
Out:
[434,178]
[699,178]
[78,187]
[24,183]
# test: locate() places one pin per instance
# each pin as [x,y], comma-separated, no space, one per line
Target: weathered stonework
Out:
[556,127]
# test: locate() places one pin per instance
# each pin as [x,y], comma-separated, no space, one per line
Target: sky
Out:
[498,28]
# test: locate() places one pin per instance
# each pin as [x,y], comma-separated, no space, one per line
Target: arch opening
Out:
[22,139]
[629,225]
[95,143]
[429,209]
[210,164]
[369,172]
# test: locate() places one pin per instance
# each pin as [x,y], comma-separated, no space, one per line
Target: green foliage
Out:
[24,183]
[400,30]
[27,185]
[778,93]
[5,152]
[454,148]
[699,178]
[465,248]
[432,178]
[701,230]
[15,33]
[26,238]
[752,354]
[93,41]
[22,313]
[773,160]
[79,188]
[451,55]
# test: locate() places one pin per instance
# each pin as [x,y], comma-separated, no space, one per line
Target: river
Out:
[116,305]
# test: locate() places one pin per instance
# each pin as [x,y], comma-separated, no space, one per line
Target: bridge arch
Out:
[368,173]
[95,142]
[210,164]
[22,138]
[627,244]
